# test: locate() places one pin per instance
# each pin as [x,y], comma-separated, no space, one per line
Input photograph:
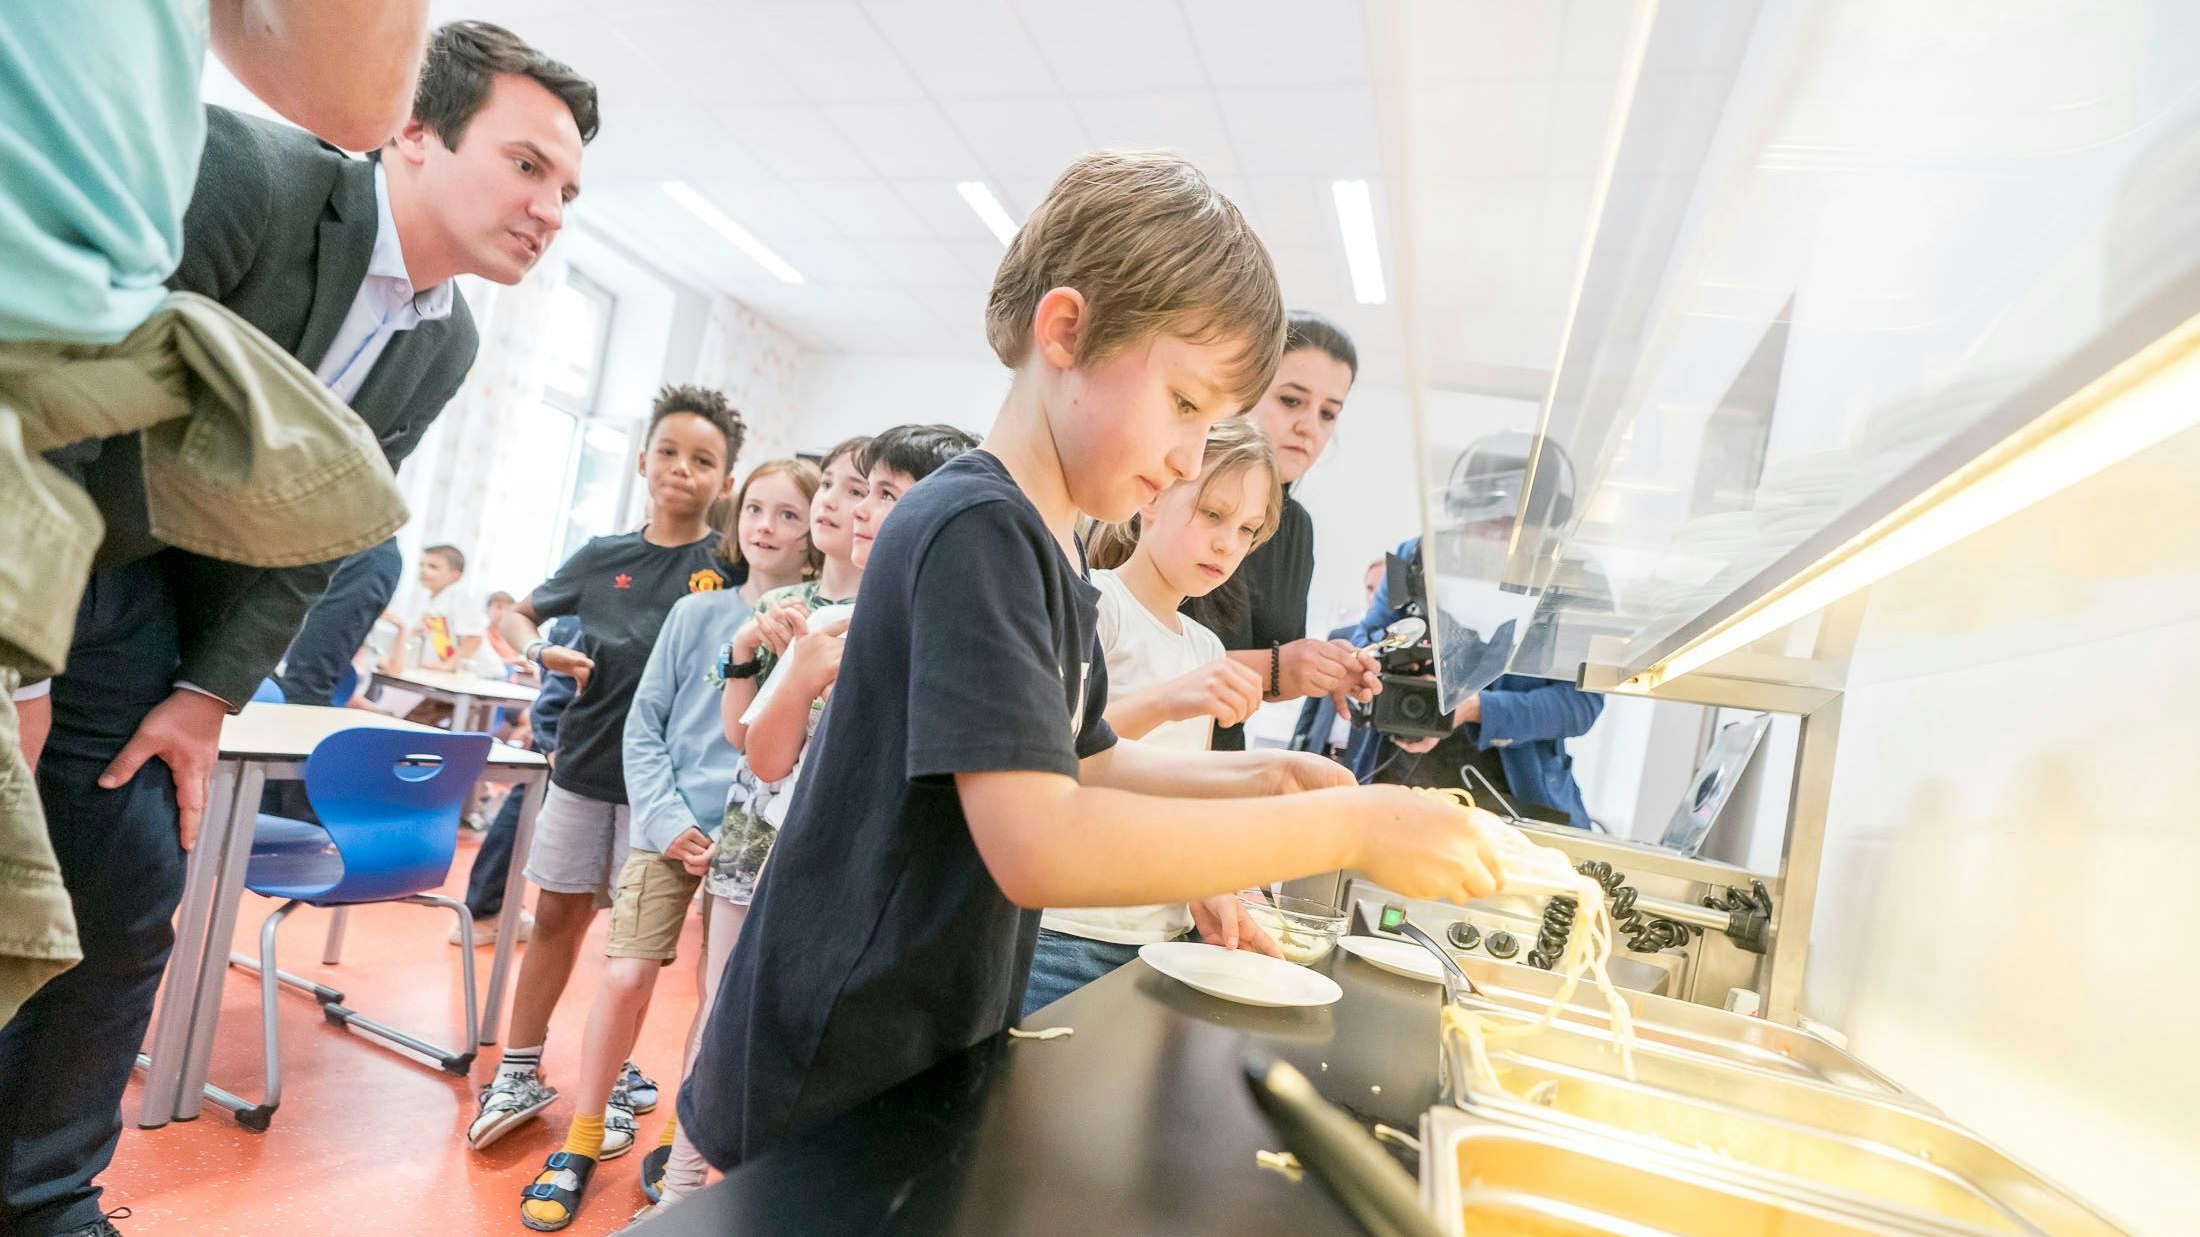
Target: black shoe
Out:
[104,1226]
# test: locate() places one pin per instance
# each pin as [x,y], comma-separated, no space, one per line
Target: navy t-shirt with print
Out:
[879,943]
[621,588]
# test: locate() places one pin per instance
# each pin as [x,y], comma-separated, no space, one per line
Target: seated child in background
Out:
[1170,682]
[514,666]
[965,772]
[440,626]
[679,770]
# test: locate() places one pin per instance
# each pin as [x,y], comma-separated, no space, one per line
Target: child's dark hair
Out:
[846,446]
[709,403]
[1303,328]
[918,450]
[449,554]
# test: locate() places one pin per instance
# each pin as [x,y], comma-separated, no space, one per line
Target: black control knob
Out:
[1502,944]
[1463,935]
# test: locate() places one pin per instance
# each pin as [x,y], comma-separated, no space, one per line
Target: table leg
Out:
[462,714]
[515,894]
[221,930]
[180,985]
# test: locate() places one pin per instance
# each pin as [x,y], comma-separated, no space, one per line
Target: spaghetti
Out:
[1541,870]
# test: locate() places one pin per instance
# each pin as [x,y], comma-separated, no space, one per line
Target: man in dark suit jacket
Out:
[347,264]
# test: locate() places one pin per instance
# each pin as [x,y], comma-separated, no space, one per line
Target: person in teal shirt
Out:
[100,133]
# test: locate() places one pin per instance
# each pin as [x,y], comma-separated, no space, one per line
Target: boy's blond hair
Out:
[1154,249]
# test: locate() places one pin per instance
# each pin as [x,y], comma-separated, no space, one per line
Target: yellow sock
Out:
[585,1137]
[672,1130]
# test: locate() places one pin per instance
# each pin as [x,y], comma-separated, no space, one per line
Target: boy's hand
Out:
[1321,668]
[814,659]
[1425,847]
[700,865]
[1222,689]
[692,849]
[569,661]
[184,732]
[1291,773]
[1223,921]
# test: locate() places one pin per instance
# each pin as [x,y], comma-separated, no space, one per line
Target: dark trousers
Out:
[485,887]
[66,1055]
[339,623]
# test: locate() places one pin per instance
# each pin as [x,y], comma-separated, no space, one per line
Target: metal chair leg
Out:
[459,1063]
[332,949]
[253,1116]
[319,992]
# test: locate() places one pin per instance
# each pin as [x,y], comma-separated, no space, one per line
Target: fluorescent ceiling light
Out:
[989,208]
[2137,404]
[720,222]
[1356,218]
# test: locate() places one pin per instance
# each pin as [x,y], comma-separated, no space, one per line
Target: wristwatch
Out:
[728,671]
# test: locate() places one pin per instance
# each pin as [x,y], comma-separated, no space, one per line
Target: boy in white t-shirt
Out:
[446,626]
[1170,681]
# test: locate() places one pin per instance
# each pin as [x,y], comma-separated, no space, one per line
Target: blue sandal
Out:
[562,1181]
[653,1172]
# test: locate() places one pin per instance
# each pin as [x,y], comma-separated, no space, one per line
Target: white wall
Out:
[2005,915]
[839,396]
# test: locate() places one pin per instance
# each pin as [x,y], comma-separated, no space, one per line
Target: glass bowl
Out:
[1304,929]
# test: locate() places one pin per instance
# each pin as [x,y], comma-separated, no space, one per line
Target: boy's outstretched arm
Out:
[1177,773]
[1050,842]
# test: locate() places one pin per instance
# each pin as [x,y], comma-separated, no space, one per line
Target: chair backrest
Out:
[391,802]
[268,692]
[347,686]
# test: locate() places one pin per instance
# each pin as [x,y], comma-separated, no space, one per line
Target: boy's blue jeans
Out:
[1063,963]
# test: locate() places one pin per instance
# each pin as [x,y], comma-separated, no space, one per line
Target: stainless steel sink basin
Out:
[1483,1176]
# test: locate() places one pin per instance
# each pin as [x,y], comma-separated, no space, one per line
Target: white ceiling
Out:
[835,131]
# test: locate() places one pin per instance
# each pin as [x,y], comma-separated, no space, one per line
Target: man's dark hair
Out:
[709,403]
[918,450]
[1303,328]
[464,60]
[449,554]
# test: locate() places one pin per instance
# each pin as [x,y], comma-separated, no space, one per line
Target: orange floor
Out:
[368,1142]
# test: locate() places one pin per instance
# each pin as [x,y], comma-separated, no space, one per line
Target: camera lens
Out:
[1414,708]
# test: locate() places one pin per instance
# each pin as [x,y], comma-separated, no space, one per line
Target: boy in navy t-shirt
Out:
[964,773]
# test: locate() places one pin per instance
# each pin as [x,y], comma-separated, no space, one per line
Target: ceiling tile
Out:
[1484,128]
[1595,40]
[767,209]
[657,142]
[916,263]
[705,53]
[1327,130]
[1295,211]
[1489,39]
[795,141]
[1188,122]
[963,49]
[829,262]
[1582,119]
[1117,45]
[1022,195]
[941,207]
[832,51]
[863,209]
[1267,42]
[906,139]
[1020,138]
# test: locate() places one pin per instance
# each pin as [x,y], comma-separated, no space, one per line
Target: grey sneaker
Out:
[507,1102]
[102,1227]
[618,1125]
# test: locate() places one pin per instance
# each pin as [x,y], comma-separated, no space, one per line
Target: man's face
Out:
[499,199]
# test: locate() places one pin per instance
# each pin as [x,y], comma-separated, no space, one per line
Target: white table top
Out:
[463,684]
[290,731]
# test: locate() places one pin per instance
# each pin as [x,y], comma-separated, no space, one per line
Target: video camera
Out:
[1409,706]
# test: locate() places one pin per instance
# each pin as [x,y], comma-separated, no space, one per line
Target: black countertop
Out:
[1140,1123]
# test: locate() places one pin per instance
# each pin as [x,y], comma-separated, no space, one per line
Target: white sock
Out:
[520,1061]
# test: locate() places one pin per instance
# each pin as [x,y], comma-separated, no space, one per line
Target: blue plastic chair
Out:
[268,692]
[389,803]
[347,686]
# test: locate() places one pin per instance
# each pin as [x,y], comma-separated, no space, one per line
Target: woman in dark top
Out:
[1261,613]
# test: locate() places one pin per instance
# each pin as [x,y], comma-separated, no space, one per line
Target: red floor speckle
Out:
[367,1142]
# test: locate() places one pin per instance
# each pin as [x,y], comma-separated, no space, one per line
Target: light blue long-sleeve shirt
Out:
[679,766]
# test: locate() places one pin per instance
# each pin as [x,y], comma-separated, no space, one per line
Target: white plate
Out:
[1240,975]
[1398,957]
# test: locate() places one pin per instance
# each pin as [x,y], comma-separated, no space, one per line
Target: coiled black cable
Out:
[1559,916]
[1646,934]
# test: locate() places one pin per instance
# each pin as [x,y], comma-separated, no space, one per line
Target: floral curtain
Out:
[756,364]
